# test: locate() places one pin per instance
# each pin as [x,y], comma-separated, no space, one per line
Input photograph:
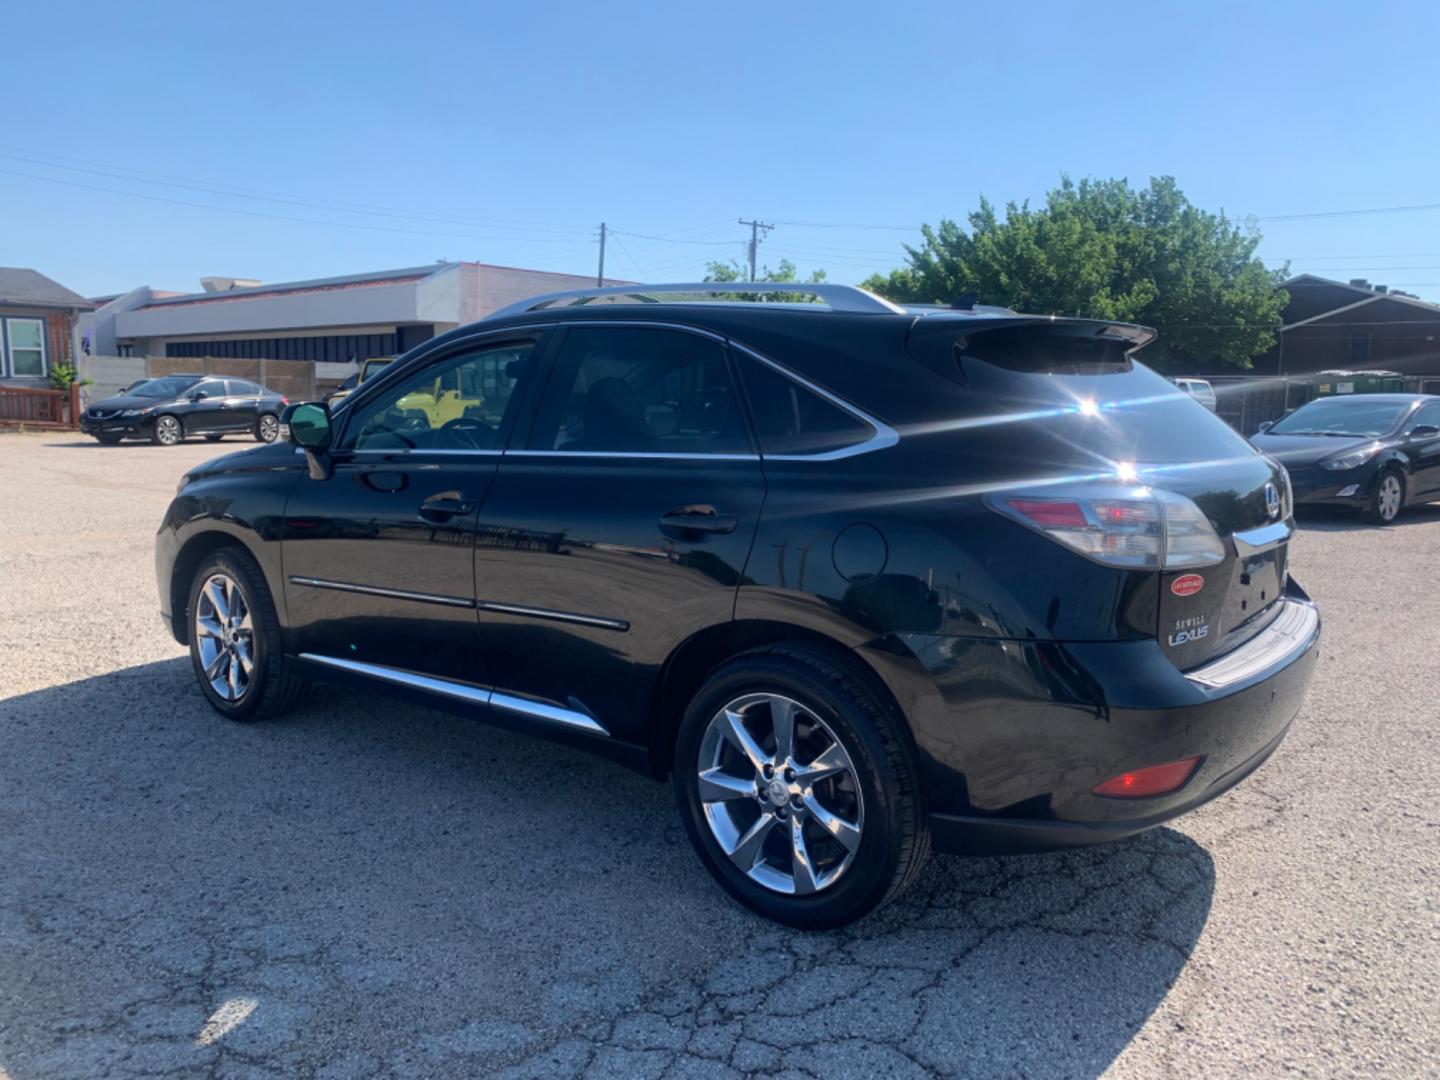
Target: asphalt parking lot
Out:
[370,889]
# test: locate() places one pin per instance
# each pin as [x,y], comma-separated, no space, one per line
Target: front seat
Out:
[613,419]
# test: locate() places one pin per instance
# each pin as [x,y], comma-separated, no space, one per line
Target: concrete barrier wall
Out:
[110,374]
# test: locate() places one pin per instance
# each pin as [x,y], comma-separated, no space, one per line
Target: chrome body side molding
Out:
[376,590]
[475,695]
[558,616]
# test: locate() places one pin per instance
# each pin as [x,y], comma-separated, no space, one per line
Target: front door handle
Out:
[697,519]
[444,506]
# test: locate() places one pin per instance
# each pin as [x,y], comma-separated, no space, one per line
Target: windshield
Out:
[1343,416]
[161,388]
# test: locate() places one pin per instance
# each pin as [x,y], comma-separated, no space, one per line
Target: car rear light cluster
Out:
[1135,528]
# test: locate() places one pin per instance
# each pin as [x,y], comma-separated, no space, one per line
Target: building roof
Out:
[1355,296]
[32,288]
[349,281]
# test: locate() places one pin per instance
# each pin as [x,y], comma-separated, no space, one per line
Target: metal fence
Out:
[1247,401]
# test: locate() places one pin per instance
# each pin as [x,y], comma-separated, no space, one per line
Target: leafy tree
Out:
[1103,250]
[733,271]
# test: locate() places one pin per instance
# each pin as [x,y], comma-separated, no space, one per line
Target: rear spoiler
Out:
[1034,343]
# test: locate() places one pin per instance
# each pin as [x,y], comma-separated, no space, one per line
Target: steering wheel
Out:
[470,432]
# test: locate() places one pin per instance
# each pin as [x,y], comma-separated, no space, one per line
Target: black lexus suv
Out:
[861,580]
[168,408]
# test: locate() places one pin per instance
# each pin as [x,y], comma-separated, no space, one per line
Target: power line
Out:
[1414,207]
[137,177]
[273,217]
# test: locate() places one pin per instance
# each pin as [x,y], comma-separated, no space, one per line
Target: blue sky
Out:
[507,132]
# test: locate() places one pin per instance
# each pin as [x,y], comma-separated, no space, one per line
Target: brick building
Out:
[38,319]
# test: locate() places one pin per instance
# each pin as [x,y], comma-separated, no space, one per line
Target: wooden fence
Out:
[49,409]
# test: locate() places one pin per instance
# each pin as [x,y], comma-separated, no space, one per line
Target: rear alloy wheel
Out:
[797,787]
[267,428]
[235,645]
[1388,498]
[168,431]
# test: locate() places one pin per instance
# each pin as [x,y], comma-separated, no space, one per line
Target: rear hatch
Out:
[1080,411]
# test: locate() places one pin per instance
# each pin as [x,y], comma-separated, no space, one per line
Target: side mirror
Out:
[1424,431]
[1265,425]
[308,425]
[199,395]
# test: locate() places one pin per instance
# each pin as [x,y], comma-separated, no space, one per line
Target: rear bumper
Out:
[1019,777]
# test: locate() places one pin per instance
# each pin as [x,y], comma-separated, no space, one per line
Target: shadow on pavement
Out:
[371,887]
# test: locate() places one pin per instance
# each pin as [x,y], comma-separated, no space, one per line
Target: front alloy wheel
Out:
[780,794]
[226,637]
[168,431]
[1388,497]
[267,430]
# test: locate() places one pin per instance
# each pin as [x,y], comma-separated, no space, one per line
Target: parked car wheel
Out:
[1388,498]
[798,788]
[213,438]
[235,644]
[168,431]
[267,428]
[108,440]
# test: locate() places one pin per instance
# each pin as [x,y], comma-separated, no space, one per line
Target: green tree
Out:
[1103,250]
[733,271]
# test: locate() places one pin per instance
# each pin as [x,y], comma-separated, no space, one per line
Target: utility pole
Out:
[755,238]
[600,274]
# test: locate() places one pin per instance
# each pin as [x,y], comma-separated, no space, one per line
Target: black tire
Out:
[213,438]
[1379,509]
[894,840]
[273,686]
[267,428]
[108,440]
[168,431]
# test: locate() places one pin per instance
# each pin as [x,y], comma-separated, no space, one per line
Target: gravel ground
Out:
[370,889]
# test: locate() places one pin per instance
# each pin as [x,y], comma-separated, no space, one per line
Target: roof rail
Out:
[850,298]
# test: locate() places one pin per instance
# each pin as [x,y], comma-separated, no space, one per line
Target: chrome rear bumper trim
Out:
[1290,632]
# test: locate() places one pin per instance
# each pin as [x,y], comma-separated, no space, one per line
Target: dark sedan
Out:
[1376,452]
[167,409]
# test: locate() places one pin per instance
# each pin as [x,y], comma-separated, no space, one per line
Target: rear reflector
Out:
[1151,781]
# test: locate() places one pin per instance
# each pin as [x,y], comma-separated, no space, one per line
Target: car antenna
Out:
[965,302]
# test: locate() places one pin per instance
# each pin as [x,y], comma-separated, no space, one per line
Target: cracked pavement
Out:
[372,889]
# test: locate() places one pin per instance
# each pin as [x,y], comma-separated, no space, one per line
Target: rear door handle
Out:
[697,519]
[444,506]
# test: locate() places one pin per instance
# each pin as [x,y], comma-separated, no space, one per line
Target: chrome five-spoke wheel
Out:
[226,637]
[780,794]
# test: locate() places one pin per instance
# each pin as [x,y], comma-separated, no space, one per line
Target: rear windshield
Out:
[1343,416]
[1113,412]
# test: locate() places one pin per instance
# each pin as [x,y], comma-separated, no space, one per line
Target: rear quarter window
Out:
[792,419]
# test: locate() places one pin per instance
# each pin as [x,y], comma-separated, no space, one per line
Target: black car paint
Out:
[216,413]
[1027,674]
[1415,458]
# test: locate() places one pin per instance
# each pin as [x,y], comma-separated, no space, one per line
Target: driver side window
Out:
[1430,415]
[458,403]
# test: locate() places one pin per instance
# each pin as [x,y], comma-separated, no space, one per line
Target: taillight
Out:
[1149,782]
[1138,527]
